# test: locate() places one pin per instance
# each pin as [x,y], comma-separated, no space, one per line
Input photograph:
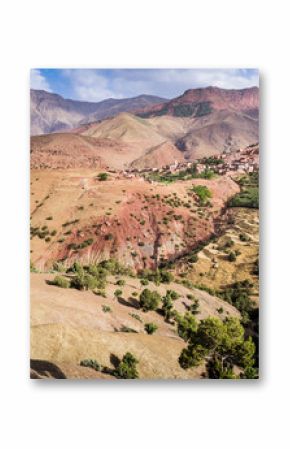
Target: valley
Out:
[144,240]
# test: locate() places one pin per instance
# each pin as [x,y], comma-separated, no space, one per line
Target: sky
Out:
[98,84]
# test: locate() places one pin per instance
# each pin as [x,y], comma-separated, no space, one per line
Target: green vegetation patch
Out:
[222,344]
[249,194]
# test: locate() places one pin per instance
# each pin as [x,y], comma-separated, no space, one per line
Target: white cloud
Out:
[173,82]
[89,85]
[98,84]
[38,81]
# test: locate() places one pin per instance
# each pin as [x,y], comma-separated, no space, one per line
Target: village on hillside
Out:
[243,160]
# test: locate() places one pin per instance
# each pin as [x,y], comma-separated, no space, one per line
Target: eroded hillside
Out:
[75,216]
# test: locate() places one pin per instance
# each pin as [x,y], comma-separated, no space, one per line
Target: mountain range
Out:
[50,112]
[201,122]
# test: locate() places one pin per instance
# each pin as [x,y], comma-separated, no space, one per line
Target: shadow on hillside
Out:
[131,302]
[41,369]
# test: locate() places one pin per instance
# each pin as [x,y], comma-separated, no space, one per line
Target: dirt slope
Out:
[159,156]
[68,326]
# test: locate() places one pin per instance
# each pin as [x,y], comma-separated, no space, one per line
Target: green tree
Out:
[167,308]
[127,368]
[221,343]
[186,326]
[149,300]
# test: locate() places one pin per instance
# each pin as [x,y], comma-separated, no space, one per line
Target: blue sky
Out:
[99,84]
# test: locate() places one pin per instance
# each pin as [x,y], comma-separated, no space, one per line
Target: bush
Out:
[158,276]
[103,176]
[149,300]
[120,282]
[49,218]
[167,308]
[118,293]
[127,368]
[109,237]
[106,309]
[150,328]
[144,281]
[60,281]
[84,282]
[58,266]
[136,317]
[232,257]
[172,294]
[194,308]
[244,237]
[91,363]
[32,268]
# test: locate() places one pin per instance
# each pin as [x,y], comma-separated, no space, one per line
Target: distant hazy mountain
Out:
[51,112]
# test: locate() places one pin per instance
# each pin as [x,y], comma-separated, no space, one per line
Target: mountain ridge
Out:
[50,112]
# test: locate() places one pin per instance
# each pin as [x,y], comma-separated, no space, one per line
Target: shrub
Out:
[109,237]
[58,266]
[32,268]
[84,282]
[232,257]
[144,281]
[103,176]
[172,294]
[60,281]
[167,308]
[91,363]
[106,309]
[194,308]
[158,276]
[136,317]
[150,328]
[149,300]
[134,294]
[100,293]
[244,237]
[118,293]
[49,218]
[120,282]
[127,368]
